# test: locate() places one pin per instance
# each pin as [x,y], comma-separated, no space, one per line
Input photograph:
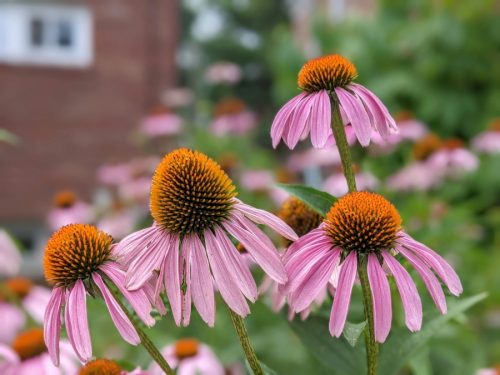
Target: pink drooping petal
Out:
[172,280]
[381,298]
[314,282]
[236,265]
[225,283]
[356,114]
[408,292]
[128,248]
[314,235]
[266,218]
[154,298]
[185,277]
[342,298]
[282,119]
[320,119]
[52,324]
[77,327]
[145,262]
[435,261]
[201,281]
[35,303]
[122,323]
[361,90]
[299,121]
[430,280]
[137,298]
[265,256]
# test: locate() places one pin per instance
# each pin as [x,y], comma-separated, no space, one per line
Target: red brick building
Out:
[75,79]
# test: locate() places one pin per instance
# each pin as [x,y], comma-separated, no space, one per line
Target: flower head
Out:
[488,141]
[299,216]
[68,209]
[194,207]
[232,117]
[364,229]
[327,81]
[79,260]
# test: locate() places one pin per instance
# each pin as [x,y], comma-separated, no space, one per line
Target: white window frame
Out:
[15,35]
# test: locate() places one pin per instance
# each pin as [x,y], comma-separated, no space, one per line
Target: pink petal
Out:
[263,217]
[227,286]
[431,282]
[52,324]
[134,243]
[77,326]
[185,277]
[356,114]
[388,119]
[435,261]
[320,119]
[381,298]
[299,120]
[201,281]
[122,323]
[137,298]
[408,292]
[342,298]
[265,256]
[279,125]
[172,280]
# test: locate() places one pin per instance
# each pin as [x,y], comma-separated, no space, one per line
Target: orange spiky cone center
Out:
[326,73]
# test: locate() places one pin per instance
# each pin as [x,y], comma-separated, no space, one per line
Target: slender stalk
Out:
[345,157]
[239,326]
[145,340]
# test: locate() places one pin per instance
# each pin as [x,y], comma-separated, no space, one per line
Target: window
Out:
[46,35]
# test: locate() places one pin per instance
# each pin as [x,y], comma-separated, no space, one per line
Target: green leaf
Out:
[352,332]
[267,370]
[318,200]
[336,354]
[403,345]
[8,137]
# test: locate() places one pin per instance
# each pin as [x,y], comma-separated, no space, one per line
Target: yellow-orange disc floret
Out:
[300,217]
[190,193]
[426,146]
[186,348]
[101,367]
[74,252]
[363,222]
[326,73]
[29,344]
[64,199]
[16,286]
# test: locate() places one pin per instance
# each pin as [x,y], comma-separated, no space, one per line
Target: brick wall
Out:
[72,120]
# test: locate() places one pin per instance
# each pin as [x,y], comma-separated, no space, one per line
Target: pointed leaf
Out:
[352,332]
[318,200]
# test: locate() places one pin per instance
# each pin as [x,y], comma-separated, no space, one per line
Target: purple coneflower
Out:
[10,255]
[365,227]
[488,142]
[190,357]
[232,117]
[78,259]
[195,212]
[326,80]
[68,209]
[108,367]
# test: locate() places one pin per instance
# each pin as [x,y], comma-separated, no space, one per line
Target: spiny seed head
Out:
[363,222]
[29,344]
[326,73]
[16,286]
[74,252]
[64,199]
[190,193]
[426,146]
[101,367]
[299,216]
[186,348]
[452,144]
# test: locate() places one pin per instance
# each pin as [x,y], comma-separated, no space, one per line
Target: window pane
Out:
[65,37]
[36,28]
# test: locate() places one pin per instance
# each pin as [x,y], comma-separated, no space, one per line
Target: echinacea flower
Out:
[194,208]
[68,209]
[33,298]
[104,366]
[232,117]
[336,184]
[161,123]
[16,318]
[78,260]
[326,81]
[10,255]
[452,159]
[363,229]
[190,357]
[488,142]
[27,355]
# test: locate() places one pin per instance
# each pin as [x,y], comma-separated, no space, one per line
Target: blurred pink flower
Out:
[232,117]
[161,123]
[177,97]
[337,186]
[135,190]
[9,254]
[73,254]
[119,223]
[257,180]
[452,162]
[33,298]
[416,176]
[223,73]
[487,142]
[28,355]
[313,158]
[119,173]
[323,80]
[67,210]
[311,261]
[190,357]
[16,320]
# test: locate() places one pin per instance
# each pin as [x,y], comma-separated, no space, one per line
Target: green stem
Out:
[145,340]
[239,326]
[345,157]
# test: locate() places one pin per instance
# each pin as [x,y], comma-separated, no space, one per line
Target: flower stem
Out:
[345,157]
[145,340]
[239,326]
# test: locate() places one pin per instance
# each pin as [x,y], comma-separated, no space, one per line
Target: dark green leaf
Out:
[318,200]
[353,331]
[267,370]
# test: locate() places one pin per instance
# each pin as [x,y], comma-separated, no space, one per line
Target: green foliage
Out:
[318,200]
